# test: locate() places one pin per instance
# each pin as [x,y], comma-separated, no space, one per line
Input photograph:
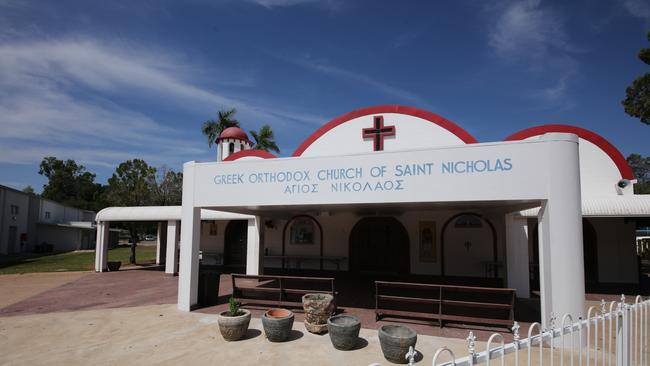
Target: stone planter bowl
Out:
[318,308]
[277,324]
[344,331]
[395,341]
[233,328]
[113,266]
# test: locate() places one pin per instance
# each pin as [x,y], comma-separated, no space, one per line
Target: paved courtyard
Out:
[130,317]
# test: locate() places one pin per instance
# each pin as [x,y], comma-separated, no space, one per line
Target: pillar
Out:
[561,262]
[171,260]
[161,243]
[517,260]
[255,247]
[188,280]
[101,246]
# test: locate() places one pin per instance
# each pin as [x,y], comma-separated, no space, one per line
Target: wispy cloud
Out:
[638,9]
[323,66]
[269,4]
[528,34]
[72,98]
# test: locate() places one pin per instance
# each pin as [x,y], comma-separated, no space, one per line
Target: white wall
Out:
[338,226]
[62,238]
[411,133]
[8,198]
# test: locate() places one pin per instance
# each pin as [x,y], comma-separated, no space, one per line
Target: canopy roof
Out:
[160,213]
[621,206]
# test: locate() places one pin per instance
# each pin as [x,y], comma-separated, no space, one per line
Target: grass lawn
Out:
[71,261]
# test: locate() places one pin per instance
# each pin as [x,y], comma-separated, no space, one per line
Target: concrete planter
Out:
[277,324]
[395,341]
[318,308]
[233,328]
[113,266]
[344,331]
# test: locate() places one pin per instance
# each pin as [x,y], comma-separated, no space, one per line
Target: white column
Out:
[561,262]
[101,246]
[254,247]
[159,244]
[171,260]
[517,255]
[188,281]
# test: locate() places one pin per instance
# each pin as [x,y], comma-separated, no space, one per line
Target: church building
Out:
[550,210]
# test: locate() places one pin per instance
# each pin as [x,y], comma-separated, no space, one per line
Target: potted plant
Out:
[113,265]
[318,308]
[277,324]
[344,331]
[395,341]
[233,323]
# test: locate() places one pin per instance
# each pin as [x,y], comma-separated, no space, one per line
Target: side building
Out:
[29,223]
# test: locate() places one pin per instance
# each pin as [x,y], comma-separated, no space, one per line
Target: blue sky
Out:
[104,82]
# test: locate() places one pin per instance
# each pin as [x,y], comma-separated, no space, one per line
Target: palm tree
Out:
[264,139]
[212,129]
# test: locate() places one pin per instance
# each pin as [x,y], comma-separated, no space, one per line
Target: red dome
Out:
[235,133]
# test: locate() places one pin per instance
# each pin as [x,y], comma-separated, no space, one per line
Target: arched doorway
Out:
[469,247]
[235,240]
[379,244]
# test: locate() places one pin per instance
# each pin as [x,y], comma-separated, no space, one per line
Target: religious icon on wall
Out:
[427,244]
[213,228]
[302,232]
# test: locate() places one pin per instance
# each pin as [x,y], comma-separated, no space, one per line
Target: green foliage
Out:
[69,183]
[637,95]
[265,139]
[212,129]
[132,184]
[29,190]
[233,307]
[641,168]
[168,190]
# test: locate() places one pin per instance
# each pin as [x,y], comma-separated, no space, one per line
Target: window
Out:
[47,214]
[14,210]
[231,147]
[302,231]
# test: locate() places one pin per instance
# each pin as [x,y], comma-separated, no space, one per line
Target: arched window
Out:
[231,147]
[302,231]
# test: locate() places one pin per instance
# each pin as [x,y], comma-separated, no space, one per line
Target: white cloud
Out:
[71,98]
[270,4]
[325,67]
[638,8]
[526,33]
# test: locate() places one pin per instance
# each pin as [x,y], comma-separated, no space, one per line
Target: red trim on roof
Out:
[245,153]
[431,117]
[594,138]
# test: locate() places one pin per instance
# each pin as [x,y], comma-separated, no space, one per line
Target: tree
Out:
[212,129]
[169,187]
[637,99]
[264,139]
[641,168]
[69,183]
[132,184]
[29,190]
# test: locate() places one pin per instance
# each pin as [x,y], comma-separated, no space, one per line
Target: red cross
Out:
[378,132]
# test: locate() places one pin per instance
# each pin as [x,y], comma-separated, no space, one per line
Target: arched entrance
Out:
[235,239]
[469,246]
[379,244]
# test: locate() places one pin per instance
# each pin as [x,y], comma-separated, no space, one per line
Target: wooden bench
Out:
[282,291]
[462,304]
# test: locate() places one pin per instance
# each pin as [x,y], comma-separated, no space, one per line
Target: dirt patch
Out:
[18,287]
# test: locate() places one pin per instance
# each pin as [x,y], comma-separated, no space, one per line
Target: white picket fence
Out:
[614,334]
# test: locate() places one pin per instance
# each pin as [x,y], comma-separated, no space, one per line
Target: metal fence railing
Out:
[614,334]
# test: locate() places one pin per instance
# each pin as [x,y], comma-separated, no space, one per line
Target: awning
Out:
[637,205]
[160,213]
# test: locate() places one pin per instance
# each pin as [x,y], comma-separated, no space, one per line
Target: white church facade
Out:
[398,190]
